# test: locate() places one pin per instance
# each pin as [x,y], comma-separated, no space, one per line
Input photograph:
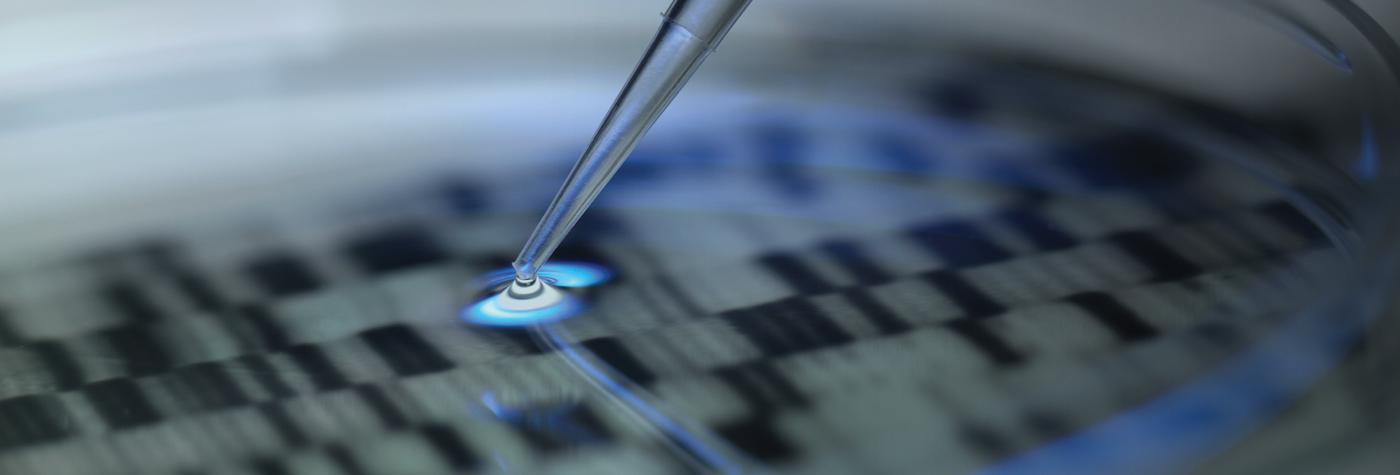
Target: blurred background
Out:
[139,107]
[125,120]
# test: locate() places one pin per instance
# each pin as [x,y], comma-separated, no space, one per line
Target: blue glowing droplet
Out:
[488,311]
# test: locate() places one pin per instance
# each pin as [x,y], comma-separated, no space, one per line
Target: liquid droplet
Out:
[542,301]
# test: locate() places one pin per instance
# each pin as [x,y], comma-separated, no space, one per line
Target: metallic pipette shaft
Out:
[691,30]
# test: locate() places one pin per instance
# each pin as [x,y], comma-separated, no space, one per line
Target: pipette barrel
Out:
[691,30]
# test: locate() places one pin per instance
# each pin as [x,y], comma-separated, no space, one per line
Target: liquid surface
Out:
[810,289]
[512,304]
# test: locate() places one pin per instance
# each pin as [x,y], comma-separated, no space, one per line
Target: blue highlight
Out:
[1176,431]
[555,419]
[673,431]
[574,274]
[488,311]
[1368,165]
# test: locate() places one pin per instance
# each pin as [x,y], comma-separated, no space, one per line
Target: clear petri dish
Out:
[887,237]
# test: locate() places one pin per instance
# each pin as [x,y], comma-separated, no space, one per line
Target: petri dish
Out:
[960,237]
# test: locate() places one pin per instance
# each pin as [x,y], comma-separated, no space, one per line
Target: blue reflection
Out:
[488,311]
[574,274]
[1178,430]
[566,423]
[1368,165]
[674,432]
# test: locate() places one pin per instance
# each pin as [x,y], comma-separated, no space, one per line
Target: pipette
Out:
[690,31]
